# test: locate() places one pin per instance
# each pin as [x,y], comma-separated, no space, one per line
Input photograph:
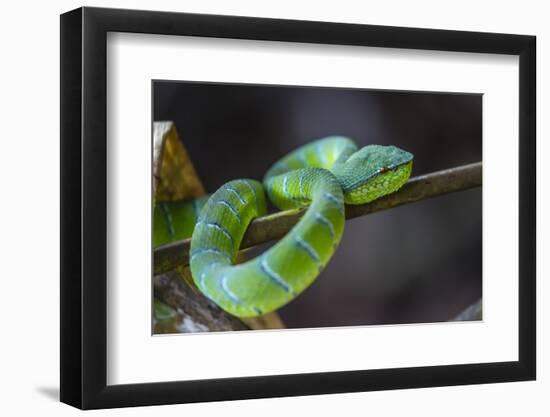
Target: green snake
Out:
[324,174]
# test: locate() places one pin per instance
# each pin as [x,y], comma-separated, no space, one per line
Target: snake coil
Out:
[322,175]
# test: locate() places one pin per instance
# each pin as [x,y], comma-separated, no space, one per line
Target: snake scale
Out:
[324,175]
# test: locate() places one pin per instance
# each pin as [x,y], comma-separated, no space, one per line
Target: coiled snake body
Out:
[323,175]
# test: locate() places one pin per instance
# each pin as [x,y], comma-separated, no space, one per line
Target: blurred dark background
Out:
[416,263]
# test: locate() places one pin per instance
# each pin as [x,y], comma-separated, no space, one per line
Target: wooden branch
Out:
[275,226]
[194,312]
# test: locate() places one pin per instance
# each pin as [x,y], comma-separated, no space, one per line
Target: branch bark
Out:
[275,226]
[194,312]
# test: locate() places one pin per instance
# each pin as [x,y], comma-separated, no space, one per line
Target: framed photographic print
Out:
[258,207]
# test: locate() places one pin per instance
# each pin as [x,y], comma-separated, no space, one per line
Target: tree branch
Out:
[275,226]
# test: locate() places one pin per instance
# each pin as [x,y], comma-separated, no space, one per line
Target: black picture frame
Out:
[84,207]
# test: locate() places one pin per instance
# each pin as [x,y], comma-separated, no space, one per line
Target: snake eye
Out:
[384,169]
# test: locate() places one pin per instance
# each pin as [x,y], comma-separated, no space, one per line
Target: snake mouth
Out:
[385,180]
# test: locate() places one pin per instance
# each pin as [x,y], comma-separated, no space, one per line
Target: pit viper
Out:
[322,175]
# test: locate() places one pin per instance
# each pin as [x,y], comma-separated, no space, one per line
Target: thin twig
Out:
[275,226]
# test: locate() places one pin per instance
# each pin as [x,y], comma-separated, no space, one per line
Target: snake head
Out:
[373,172]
